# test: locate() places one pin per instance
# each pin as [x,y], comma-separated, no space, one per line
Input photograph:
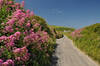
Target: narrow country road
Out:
[69,55]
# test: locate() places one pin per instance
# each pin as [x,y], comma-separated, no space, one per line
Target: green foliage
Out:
[90,41]
[44,25]
[59,30]
[62,28]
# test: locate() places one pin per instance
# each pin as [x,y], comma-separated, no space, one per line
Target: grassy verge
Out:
[89,41]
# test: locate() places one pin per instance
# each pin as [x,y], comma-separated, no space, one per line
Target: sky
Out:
[71,13]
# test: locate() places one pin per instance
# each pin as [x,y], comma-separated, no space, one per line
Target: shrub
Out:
[25,39]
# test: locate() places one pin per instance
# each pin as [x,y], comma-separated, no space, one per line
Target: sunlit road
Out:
[69,55]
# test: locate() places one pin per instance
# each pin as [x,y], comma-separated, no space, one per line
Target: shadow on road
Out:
[54,57]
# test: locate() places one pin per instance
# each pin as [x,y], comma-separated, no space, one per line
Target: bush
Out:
[25,39]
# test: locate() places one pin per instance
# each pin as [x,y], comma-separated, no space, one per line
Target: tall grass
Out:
[89,42]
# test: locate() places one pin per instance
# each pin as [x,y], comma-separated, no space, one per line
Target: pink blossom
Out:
[17,35]
[10,2]
[1,2]
[36,25]
[11,22]
[5,64]
[3,38]
[9,28]
[17,29]
[17,4]
[13,6]
[18,58]
[31,13]
[28,11]
[1,61]
[11,62]
[28,25]
[18,50]
[23,2]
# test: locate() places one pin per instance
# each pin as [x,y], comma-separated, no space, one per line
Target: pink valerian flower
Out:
[45,33]
[11,62]
[24,49]
[32,37]
[11,22]
[28,25]
[1,2]
[5,64]
[76,33]
[9,45]
[25,57]
[23,2]
[31,30]
[9,29]
[17,5]
[10,2]
[27,40]
[17,35]
[36,25]
[21,54]
[17,28]
[17,50]
[13,6]
[18,58]
[10,40]
[2,38]
[21,22]
[1,61]
[3,23]
[27,11]
[31,13]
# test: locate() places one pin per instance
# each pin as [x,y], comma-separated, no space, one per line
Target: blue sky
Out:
[73,13]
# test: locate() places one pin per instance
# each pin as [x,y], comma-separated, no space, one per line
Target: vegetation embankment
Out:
[25,39]
[88,40]
[61,30]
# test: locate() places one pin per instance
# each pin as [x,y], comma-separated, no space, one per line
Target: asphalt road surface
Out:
[69,55]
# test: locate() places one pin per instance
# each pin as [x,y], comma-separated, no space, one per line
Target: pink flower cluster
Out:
[9,41]
[18,19]
[76,33]
[36,37]
[18,33]
[21,54]
[8,62]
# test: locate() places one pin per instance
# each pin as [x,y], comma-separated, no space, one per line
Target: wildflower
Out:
[17,29]
[5,64]
[31,13]
[11,62]
[9,28]
[28,11]
[11,22]
[23,2]
[28,25]
[36,25]
[18,58]
[17,35]
[16,51]
[1,61]
[10,2]
[1,2]
[3,38]
[17,4]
